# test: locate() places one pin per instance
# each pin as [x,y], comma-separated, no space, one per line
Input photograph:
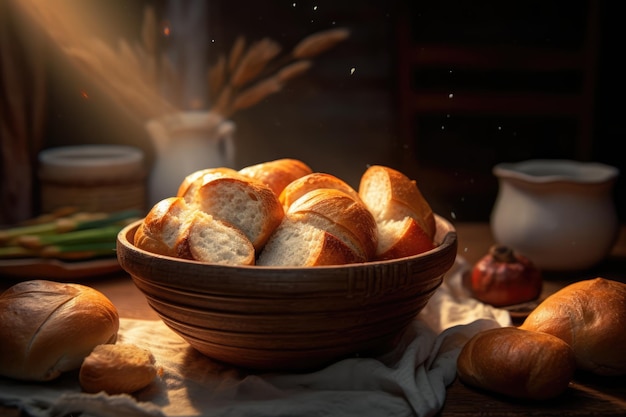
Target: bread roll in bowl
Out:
[165,229]
[244,202]
[301,241]
[589,315]
[277,174]
[517,363]
[316,180]
[390,194]
[343,215]
[48,328]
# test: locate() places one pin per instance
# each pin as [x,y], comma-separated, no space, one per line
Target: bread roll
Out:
[175,228]
[165,229]
[117,369]
[192,181]
[517,363]
[245,203]
[299,243]
[277,174]
[342,215]
[394,199]
[48,328]
[391,195]
[589,315]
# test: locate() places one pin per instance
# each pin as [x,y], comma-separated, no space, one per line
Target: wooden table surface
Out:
[587,395]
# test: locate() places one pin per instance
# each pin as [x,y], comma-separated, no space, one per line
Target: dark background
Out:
[345,112]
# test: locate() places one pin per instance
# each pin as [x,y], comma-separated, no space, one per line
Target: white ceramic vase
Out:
[559,213]
[186,142]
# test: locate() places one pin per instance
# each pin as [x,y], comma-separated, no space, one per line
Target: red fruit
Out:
[503,278]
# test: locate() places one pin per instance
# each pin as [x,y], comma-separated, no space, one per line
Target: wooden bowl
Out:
[278,318]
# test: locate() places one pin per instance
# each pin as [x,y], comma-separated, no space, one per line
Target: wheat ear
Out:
[254,61]
[236,52]
[252,95]
[319,42]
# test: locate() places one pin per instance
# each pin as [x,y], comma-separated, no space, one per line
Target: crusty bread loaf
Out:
[117,369]
[194,180]
[175,228]
[247,204]
[517,363]
[342,215]
[47,328]
[392,197]
[298,242]
[297,188]
[277,174]
[589,315]
[165,229]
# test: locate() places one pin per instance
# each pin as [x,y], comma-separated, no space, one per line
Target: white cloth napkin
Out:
[411,380]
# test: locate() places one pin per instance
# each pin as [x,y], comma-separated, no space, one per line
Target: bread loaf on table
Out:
[517,363]
[590,316]
[47,328]
[277,174]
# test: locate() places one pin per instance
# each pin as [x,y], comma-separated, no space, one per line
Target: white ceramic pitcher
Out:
[186,142]
[559,213]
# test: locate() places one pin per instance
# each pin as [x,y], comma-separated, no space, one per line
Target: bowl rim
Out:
[445,237]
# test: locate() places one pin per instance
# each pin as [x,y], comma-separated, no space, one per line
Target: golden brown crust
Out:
[300,242]
[517,363]
[334,251]
[165,229]
[48,328]
[391,195]
[117,369]
[344,211]
[189,184]
[411,241]
[589,315]
[277,174]
[312,181]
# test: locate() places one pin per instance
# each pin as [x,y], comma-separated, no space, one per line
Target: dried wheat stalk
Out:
[245,80]
[254,61]
[317,43]
[293,70]
[236,52]
[252,95]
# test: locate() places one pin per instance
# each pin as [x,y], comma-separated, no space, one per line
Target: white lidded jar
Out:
[559,213]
